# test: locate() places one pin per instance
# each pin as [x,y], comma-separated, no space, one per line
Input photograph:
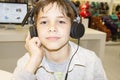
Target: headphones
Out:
[77,28]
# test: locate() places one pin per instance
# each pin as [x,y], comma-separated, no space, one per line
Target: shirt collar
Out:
[45,65]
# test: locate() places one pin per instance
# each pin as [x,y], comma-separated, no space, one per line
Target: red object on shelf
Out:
[84,10]
[85,13]
[85,6]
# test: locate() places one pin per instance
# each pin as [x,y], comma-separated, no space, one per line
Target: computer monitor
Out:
[12,13]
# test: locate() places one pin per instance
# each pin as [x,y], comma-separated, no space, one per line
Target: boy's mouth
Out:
[53,38]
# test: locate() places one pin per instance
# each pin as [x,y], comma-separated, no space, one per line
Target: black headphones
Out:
[77,28]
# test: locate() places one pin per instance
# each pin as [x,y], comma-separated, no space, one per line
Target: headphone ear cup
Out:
[33,31]
[77,30]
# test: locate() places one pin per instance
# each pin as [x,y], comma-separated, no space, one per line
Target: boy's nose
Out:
[52,29]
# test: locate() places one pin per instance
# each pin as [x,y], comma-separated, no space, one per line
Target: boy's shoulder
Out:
[23,60]
[84,56]
[83,52]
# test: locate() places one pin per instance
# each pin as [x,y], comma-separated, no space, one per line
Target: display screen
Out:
[12,13]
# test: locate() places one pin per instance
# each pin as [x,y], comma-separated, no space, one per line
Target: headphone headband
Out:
[77,19]
[73,6]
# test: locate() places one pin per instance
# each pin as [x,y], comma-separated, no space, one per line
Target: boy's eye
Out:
[62,22]
[43,22]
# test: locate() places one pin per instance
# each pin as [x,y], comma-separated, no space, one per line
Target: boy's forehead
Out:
[53,8]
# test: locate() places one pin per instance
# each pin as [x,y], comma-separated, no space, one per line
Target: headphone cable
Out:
[72,59]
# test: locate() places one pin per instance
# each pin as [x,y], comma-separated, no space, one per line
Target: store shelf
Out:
[113,42]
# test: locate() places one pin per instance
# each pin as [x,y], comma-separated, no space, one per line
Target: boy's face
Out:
[53,27]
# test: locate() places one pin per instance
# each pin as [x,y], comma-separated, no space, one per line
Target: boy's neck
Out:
[60,55]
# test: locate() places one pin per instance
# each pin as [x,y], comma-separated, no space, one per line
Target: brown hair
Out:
[62,4]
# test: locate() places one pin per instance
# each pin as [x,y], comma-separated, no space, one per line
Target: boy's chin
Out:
[52,48]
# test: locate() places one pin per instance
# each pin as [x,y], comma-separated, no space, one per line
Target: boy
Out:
[49,54]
